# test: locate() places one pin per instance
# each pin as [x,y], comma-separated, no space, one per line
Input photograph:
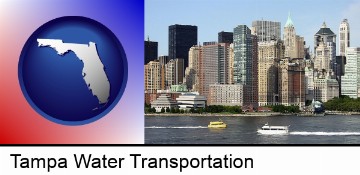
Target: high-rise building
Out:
[340,69]
[254,93]
[326,54]
[270,53]
[181,39]
[243,68]
[223,58]
[163,60]
[151,51]
[325,88]
[322,61]
[344,37]
[350,82]
[309,83]
[152,77]
[231,65]
[289,38]
[225,37]
[213,65]
[294,44]
[174,73]
[242,55]
[208,68]
[300,51]
[266,30]
[192,71]
[292,82]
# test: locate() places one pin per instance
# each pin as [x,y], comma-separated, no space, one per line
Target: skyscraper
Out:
[266,30]
[151,51]
[231,65]
[323,58]
[270,53]
[225,37]
[294,44]
[163,60]
[208,68]
[223,58]
[289,38]
[243,72]
[325,49]
[181,39]
[254,93]
[344,37]
[350,82]
[214,65]
[292,82]
[192,71]
[242,55]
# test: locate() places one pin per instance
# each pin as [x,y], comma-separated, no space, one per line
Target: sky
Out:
[213,16]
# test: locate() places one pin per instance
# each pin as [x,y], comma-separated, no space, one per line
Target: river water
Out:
[330,129]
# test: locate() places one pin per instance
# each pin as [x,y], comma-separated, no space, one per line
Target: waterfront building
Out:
[191,100]
[181,39]
[151,51]
[225,37]
[162,102]
[152,96]
[226,94]
[344,37]
[350,81]
[269,54]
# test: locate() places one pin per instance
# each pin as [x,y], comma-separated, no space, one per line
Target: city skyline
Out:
[160,14]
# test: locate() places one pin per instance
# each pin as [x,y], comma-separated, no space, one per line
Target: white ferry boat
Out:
[266,129]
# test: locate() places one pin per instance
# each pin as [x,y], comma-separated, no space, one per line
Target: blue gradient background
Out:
[124,124]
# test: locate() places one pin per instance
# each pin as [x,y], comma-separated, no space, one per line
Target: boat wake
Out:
[174,127]
[326,133]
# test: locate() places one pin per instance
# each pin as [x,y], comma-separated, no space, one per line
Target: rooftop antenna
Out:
[148,38]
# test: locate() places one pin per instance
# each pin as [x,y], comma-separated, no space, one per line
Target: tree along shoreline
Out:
[254,114]
[220,109]
[343,104]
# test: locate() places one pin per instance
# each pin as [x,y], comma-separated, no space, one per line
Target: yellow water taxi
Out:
[217,124]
